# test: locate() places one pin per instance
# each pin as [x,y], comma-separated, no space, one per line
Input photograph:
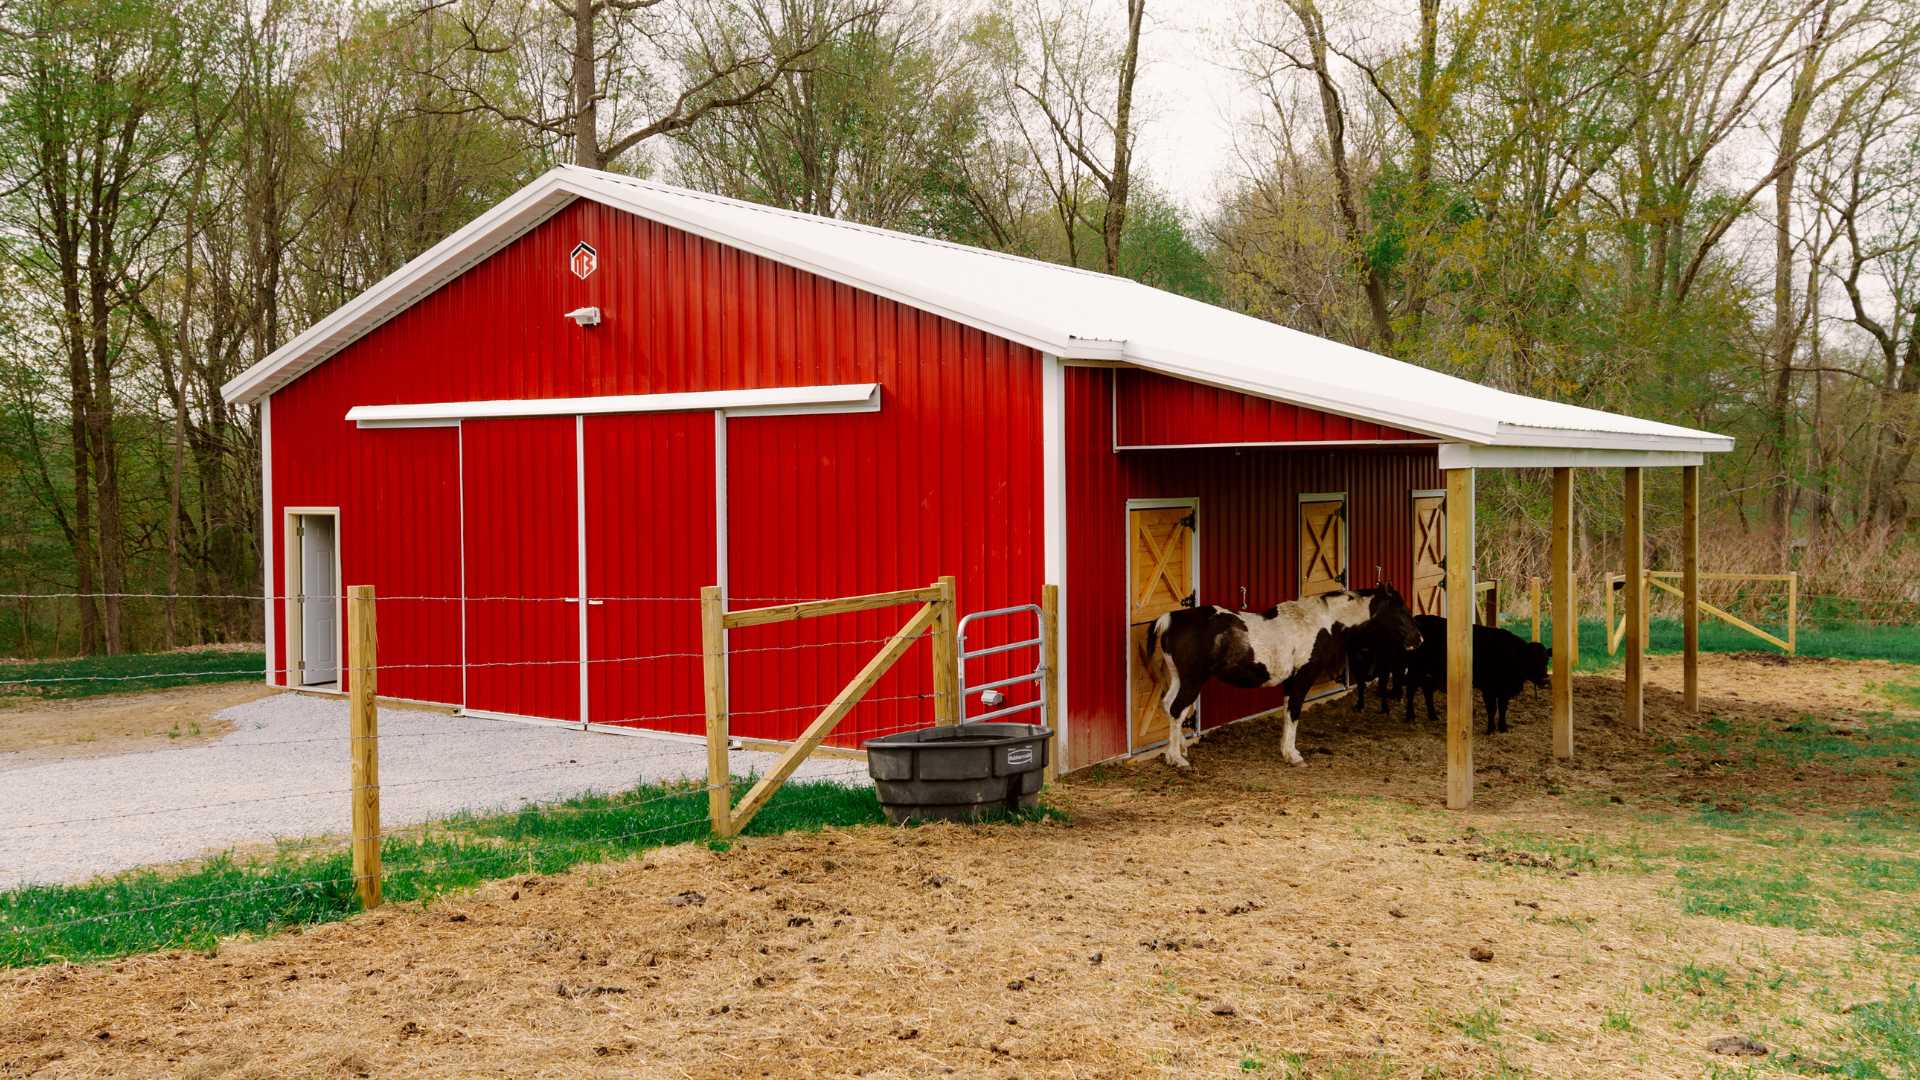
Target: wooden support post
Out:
[713,649]
[1492,617]
[1050,615]
[947,706]
[363,649]
[1460,599]
[1565,652]
[1633,540]
[1534,603]
[1690,587]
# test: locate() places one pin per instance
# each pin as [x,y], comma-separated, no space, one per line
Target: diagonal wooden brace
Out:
[829,718]
[1711,610]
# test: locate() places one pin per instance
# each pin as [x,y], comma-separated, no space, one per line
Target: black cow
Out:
[1503,664]
[1373,654]
[1291,645]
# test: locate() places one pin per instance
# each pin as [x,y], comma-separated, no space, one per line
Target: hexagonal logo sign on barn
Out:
[584,259]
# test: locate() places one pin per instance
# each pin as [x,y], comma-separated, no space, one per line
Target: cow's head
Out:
[1539,666]
[1388,612]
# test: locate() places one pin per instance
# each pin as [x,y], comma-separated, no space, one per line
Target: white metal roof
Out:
[1070,313]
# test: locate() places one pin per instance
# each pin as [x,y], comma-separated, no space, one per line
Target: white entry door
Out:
[319,602]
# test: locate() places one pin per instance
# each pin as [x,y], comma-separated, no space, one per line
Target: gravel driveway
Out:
[284,773]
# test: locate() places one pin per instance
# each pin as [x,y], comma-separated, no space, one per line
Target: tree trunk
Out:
[1113,221]
[1425,122]
[106,464]
[586,98]
[1333,113]
[1786,319]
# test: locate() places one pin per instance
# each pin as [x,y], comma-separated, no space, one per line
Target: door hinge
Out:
[300,665]
[1188,600]
[1186,522]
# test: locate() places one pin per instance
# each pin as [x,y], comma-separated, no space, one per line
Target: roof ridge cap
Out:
[818,219]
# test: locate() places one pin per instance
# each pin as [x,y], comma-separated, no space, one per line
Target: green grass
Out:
[91,676]
[1884,1033]
[146,910]
[1900,644]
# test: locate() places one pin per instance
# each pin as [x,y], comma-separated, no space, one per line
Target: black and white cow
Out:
[1291,645]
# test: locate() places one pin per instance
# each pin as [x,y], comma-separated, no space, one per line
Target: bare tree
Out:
[604,76]
[1069,84]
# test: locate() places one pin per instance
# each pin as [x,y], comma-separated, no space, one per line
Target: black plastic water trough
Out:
[960,772]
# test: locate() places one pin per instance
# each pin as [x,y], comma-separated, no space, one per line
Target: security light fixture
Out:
[992,699]
[585,316]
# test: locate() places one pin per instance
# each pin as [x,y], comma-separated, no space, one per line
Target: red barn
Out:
[541,438]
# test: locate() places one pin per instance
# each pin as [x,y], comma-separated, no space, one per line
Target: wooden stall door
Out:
[1429,555]
[1160,577]
[1323,561]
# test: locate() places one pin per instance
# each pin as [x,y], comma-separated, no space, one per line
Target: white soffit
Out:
[1468,456]
[774,401]
[1066,312]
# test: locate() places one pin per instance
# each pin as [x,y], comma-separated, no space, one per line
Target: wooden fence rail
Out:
[1653,579]
[935,617]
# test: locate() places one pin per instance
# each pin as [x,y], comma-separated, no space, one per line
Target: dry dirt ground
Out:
[38,732]
[1245,918]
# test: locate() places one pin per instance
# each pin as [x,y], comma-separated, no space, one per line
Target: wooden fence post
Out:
[1646,610]
[947,706]
[1607,592]
[363,645]
[1050,617]
[1536,609]
[1793,611]
[1573,605]
[713,648]
[1493,604]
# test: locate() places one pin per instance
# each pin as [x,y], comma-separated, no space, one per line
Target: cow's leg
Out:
[1286,740]
[1432,717]
[1296,701]
[1178,703]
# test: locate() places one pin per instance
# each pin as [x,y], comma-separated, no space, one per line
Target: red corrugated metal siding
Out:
[398,493]
[1157,410]
[522,558]
[650,549]
[1249,532]
[945,479]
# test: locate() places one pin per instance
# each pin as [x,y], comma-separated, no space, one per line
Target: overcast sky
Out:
[1192,100]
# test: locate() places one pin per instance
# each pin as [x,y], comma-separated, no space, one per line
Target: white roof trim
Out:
[1466,456]
[1069,313]
[774,401]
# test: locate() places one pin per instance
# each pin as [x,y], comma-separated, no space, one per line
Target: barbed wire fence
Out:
[322,873]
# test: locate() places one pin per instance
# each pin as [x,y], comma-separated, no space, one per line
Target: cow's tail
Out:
[1154,630]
